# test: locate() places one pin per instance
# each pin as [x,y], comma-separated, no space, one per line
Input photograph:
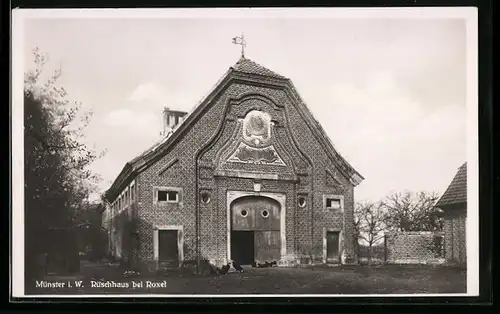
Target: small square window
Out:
[172,196]
[162,196]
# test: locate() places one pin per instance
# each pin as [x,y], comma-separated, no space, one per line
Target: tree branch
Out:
[39,138]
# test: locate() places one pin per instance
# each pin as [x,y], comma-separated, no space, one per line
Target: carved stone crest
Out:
[257,128]
[255,146]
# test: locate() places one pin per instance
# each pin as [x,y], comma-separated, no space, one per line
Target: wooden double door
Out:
[255,230]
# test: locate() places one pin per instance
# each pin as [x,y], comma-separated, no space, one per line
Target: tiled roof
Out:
[456,193]
[245,65]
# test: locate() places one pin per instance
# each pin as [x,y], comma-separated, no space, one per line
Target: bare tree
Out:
[369,224]
[412,212]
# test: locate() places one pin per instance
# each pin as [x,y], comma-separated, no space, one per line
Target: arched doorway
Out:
[255,230]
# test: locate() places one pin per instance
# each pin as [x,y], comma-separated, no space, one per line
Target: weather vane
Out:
[240,40]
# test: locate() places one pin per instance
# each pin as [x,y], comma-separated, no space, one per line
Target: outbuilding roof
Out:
[456,193]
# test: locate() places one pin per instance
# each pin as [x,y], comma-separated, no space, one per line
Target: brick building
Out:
[453,203]
[248,175]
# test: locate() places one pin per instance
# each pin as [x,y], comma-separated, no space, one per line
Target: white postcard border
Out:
[468,13]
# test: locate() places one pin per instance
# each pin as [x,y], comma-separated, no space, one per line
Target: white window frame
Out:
[132,192]
[124,201]
[167,189]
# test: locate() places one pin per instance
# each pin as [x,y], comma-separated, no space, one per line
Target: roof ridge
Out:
[245,66]
[161,141]
[248,66]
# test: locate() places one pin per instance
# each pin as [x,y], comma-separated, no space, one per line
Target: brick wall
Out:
[121,233]
[204,150]
[454,230]
[414,247]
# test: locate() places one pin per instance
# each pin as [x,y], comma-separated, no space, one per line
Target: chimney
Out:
[171,118]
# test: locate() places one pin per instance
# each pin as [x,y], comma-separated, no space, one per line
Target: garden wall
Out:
[416,247]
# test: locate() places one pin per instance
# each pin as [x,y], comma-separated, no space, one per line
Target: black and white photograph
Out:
[245,152]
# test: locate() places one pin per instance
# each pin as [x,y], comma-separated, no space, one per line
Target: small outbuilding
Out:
[453,203]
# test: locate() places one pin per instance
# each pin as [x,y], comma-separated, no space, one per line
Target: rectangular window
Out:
[168,196]
[162,196]
[333,203]
[132,188]
[171,121]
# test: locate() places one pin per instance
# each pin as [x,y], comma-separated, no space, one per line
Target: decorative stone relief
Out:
[247,154]
[255,146]
[257,128]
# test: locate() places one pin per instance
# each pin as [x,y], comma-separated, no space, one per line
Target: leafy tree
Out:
[57,179]
[412,212]
[88,226]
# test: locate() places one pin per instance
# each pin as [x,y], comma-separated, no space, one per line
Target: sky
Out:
[389,92]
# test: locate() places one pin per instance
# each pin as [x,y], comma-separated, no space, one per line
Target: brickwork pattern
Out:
[414,247]
[320,218]
[455,235]
[298,147]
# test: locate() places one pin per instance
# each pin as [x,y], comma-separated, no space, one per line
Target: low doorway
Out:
[168,250]
[332,246]
[242,247]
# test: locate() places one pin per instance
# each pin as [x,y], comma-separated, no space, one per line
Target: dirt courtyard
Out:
[383,279]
